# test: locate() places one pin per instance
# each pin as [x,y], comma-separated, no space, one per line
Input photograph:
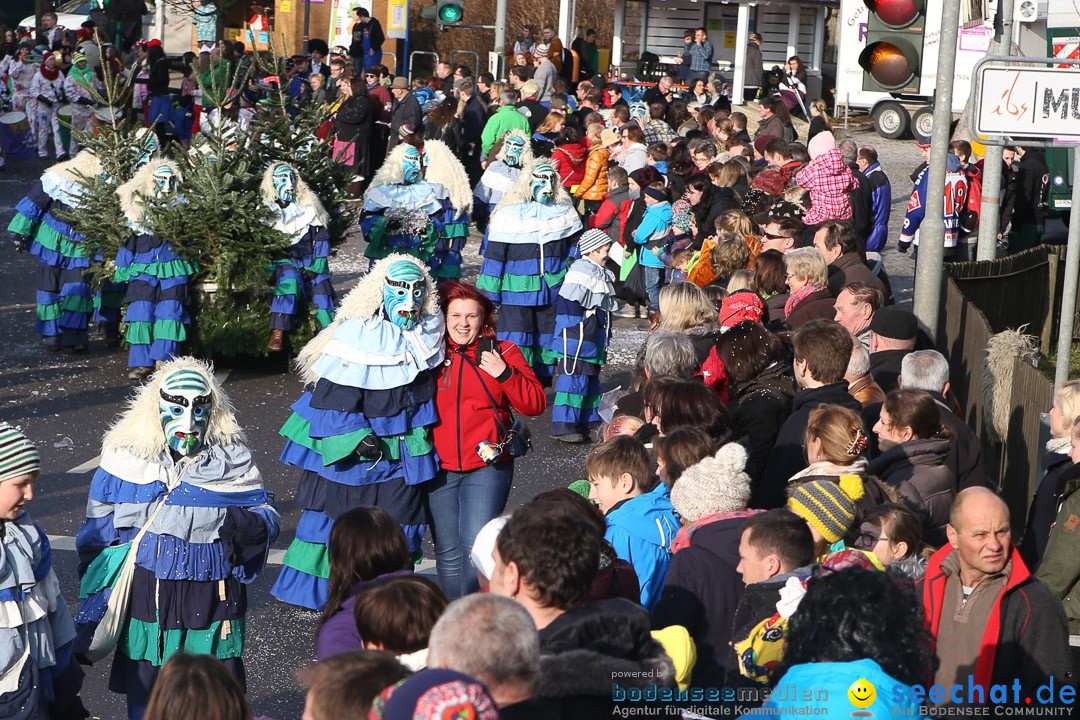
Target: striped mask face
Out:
[184,406]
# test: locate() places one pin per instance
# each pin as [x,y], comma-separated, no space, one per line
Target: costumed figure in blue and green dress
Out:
[64,297]
[177,487]
[499,176]
[529,244]
[156,277]
[419,203]
[582,330]
[361,432]
[305,269]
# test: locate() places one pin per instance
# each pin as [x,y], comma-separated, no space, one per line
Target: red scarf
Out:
[798,296]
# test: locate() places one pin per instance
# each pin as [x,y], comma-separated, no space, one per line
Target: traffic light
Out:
[444,12]
[894,45]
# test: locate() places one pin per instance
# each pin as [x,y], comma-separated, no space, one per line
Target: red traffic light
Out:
[896,13]
[892,64]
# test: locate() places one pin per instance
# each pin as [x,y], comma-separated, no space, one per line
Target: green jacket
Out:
[1060,568]
[504,120]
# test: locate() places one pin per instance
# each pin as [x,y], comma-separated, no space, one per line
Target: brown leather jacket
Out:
[866,391]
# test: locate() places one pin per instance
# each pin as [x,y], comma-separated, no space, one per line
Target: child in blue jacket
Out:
[641,523]
[650,236]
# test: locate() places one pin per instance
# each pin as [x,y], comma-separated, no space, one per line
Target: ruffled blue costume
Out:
[38,674]
[361,435]
[192,567]
[582,331]
[157,296]
[64,298]
[496,181]
[304,271]
[529,246]
[438,242]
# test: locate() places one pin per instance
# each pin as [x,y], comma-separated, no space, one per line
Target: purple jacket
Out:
[339,634]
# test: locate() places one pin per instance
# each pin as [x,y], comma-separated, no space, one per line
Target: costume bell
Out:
[179,488]
[361,432]
[304,271]
[530,241]
[419,203]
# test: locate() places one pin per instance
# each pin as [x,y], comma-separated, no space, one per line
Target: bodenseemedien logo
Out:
[861,694]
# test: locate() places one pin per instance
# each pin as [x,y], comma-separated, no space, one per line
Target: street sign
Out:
[1028,102]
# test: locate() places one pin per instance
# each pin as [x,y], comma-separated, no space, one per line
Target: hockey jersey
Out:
[956,193]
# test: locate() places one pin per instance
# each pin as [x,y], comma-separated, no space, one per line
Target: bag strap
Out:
[494,407]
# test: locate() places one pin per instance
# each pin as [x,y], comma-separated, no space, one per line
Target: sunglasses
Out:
[770,236]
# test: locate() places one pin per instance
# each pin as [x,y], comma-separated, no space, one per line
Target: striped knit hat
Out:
[828,506]
[18,456]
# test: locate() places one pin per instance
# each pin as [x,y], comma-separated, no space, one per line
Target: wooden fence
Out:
[982,299]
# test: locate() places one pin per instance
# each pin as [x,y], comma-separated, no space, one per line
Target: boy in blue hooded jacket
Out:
[641,523]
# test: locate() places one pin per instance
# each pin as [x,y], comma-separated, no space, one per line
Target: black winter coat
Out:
[1044,507]
[885,368]
[788,455]
[759,409]
[862,207]
[918,471]
[582,650]
[965,450]
[1028,207]
[702,592]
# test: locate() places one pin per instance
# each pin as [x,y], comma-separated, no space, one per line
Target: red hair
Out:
[453,290]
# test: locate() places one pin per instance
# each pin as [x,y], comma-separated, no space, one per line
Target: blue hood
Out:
[829,683]
[649,517]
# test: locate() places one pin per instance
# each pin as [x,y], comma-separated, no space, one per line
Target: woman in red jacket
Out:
[482,378]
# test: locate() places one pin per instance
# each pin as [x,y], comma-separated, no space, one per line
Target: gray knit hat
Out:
[714,485]
[18,456]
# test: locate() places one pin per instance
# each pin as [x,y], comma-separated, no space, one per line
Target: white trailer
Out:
[896,114]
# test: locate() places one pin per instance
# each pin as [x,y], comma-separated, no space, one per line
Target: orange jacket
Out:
[594,185]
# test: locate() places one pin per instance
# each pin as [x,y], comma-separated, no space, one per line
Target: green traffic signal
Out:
[450,12]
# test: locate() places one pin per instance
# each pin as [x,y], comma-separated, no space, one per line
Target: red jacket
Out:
[466,417]
[569,161]
[933,592]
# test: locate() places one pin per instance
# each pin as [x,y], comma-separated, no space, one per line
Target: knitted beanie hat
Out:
[716,484]
[820,144]
[828,506]
[18,456]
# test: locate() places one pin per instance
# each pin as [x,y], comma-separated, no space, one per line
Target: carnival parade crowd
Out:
[786,496]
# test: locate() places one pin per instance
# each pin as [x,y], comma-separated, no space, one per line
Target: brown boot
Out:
[277,341]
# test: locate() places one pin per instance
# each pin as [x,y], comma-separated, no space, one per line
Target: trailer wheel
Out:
[891,120]
[922,124]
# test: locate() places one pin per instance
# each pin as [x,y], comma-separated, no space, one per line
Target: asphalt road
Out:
[65,403]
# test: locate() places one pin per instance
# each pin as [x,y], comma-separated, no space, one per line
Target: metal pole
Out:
[989,209]
[930,268]
[307,24]
[1068,296]
[405,57]
[500,27]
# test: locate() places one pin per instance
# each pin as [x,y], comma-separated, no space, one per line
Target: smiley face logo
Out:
[862,694]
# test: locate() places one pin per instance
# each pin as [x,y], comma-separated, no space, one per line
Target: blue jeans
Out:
[652,285]
[459,504]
